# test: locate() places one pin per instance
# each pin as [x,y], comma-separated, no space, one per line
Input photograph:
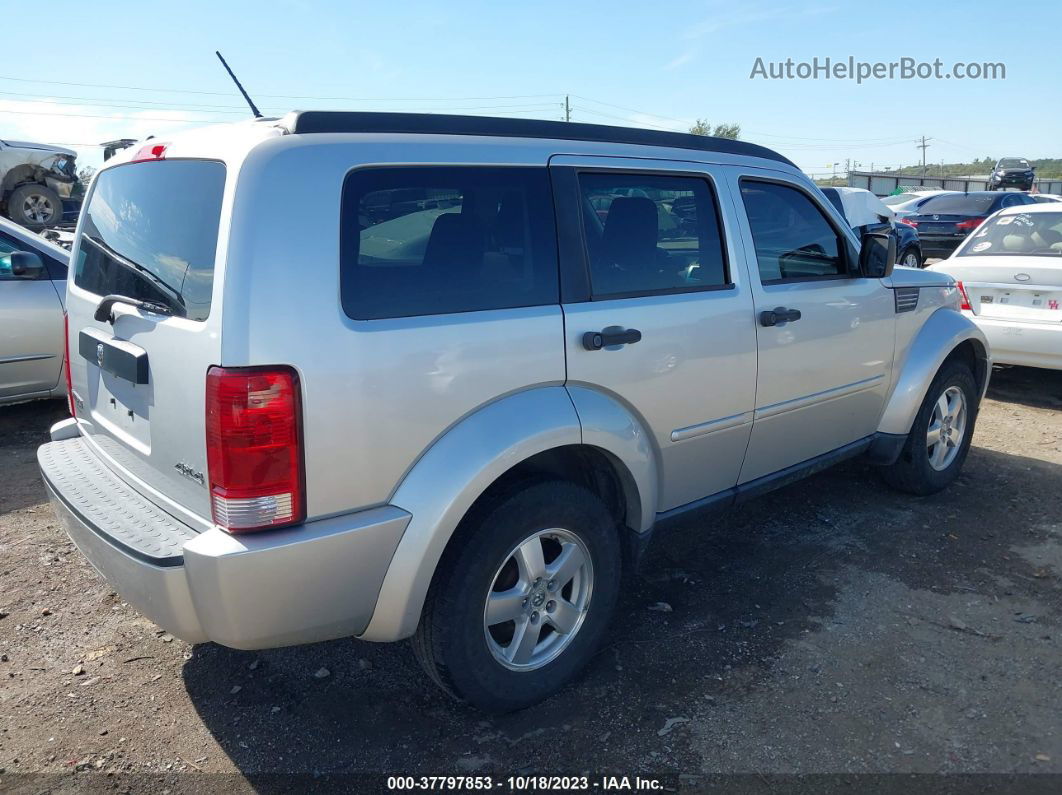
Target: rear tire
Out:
[485,600]
[939,440]
[35,206]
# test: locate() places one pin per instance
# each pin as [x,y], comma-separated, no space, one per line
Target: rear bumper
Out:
[939,247]
[308,583]
[1023,344]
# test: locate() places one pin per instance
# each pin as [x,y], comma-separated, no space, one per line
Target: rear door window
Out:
[651,234]
[447,239]
[151,232]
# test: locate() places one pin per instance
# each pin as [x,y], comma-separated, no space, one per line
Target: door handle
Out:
[773,317]
[613,335]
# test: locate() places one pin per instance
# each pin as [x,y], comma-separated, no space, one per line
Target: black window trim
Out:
[850,256]
[346,247]
[576,283]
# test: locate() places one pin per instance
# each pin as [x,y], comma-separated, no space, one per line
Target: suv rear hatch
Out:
[148,236]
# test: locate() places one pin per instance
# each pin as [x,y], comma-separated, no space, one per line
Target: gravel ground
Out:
[831,627]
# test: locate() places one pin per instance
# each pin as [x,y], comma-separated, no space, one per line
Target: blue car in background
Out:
[865,212]
[945,220]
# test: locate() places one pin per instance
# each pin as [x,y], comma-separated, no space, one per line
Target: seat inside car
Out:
[457,240]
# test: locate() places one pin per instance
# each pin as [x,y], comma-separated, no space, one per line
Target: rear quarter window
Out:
[441,240]
[151,232]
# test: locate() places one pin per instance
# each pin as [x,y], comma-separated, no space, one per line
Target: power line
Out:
[243,112]
[115,118]
[129,118]
[50,97]
[278,96]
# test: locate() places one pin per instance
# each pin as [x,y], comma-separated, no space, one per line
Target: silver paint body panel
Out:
[408,421]
[31,325]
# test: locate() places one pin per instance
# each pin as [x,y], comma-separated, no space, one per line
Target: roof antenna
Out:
[257,113]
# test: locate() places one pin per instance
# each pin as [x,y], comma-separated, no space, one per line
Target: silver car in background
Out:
[32,292]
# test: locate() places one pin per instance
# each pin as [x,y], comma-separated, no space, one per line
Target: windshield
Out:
[1013,162]
[1020,234]
[958,204]
[150,232]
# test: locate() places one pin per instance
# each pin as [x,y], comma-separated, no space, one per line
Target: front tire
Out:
[940,437]
[911,258]
[35,206]
[522,598]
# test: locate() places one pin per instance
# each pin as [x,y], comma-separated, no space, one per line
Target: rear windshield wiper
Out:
[104,311]
[171,296]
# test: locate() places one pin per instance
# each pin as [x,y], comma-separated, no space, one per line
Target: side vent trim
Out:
[906,299]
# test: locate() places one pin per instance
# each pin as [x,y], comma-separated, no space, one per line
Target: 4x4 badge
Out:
[190,473]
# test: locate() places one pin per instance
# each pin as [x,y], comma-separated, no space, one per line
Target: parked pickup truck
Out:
[440,377]
[37,184]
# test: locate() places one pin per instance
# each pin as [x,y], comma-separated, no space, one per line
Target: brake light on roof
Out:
[150,152]
[973,223]
[965,298]
[66,365]
[254,447]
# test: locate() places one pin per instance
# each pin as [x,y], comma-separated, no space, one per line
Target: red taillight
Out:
[908,221]
[150,152]
[66,365]
[254,447]
[965,298]
[973,223]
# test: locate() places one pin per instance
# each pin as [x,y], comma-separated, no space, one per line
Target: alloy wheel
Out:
[38,208]
[947,427]
[538,599]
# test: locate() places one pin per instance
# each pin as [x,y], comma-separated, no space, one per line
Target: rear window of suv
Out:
[151,232]
[446,239]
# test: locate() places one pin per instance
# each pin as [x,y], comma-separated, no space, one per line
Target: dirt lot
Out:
[834,626]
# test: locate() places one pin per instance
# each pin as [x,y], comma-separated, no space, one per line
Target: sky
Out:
[129,70]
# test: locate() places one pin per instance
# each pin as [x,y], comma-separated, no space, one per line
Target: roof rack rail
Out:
[328,121]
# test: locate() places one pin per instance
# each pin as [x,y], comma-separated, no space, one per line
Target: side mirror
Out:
[25,265]
[877,255]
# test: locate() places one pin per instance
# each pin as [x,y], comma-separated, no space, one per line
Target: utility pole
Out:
[923,146]
[567,109]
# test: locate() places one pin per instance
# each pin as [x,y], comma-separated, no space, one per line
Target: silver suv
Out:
[400,376]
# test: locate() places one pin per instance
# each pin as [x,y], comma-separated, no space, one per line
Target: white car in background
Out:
[1010,276]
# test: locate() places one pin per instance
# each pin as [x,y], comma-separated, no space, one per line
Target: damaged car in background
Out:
[38,184]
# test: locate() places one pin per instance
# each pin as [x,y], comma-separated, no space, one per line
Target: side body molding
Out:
[942,332]
[443,484]
[607,425]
